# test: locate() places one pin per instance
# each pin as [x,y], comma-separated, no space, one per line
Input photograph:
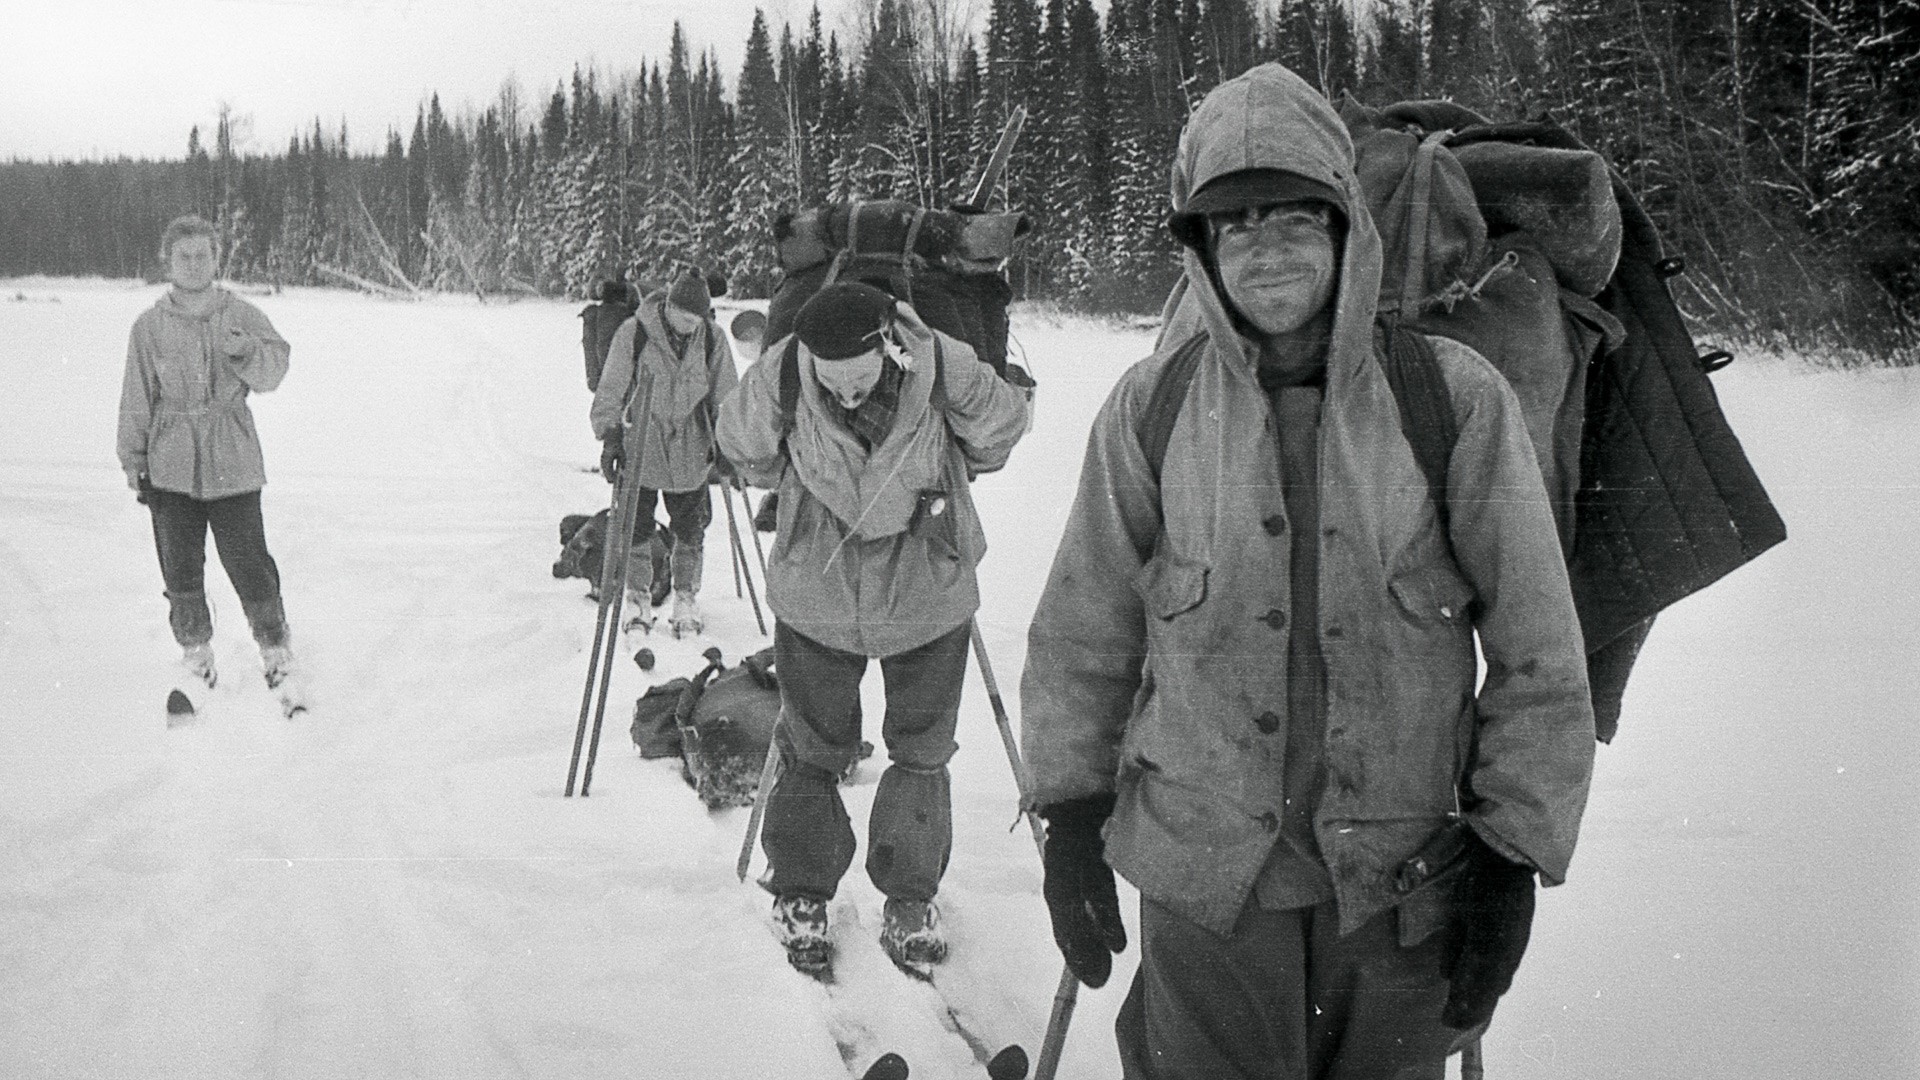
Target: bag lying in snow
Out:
[583,540]
[720,723]
[1517,240]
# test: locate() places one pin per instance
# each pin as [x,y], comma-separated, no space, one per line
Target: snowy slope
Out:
[394,886]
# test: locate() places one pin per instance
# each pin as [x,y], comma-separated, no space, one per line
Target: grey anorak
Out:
[688,386]
[861,560]
[184,420]
[1160,641]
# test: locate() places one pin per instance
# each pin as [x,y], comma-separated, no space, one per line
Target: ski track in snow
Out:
[394,886]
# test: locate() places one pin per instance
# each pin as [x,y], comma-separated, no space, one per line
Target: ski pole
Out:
[733,552]
[614,577]
[612,584]
[769,772]
[740,553]
[1068,993]
[758,551]
[616,513]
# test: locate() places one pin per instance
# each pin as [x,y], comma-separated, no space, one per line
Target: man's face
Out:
[1276,262]
[851,380]
[191,263]
[682,321]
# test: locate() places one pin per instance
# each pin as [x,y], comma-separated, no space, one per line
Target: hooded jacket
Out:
[875,551]
[184,420]
[1159,644]
[688,387]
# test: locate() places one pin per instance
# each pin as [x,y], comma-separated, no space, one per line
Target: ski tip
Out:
[180,708]
[1009,1064]
[888,1066]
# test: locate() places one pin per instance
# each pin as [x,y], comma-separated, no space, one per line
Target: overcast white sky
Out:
[104,78]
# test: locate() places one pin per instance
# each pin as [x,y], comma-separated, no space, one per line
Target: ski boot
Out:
[801,923]
[276,663]
[639,602]
[911,936]
[686,620]
[199,663]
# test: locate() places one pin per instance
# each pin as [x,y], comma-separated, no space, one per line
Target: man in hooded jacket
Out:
[1251,680]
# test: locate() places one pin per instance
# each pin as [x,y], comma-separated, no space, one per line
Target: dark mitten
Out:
[767,518]
[1079,888]
[1494,914]
[613,454]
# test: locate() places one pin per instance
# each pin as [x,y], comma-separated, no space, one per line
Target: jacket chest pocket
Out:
[1433,596]
[1171,587]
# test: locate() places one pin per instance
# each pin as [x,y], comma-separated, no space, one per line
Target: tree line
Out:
[1776,143]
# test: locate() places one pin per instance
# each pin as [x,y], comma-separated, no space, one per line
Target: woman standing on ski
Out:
[188,446]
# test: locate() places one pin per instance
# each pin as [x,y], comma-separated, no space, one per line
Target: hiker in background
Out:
[674,357]
[615,300]
[867,423]
[1250,683]
[188,446]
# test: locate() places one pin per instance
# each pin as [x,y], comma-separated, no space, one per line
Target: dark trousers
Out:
[807,836]
[1285,997]
[180,526]
[688,514]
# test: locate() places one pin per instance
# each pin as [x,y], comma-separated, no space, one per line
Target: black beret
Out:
[843,320]
[1241,190]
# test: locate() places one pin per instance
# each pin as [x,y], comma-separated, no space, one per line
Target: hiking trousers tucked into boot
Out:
[180,526]
[808,837]
[688,514]
[1284,998]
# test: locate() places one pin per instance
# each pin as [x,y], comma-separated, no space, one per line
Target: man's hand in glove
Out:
[1494,914]
[612,454]
[1079,888]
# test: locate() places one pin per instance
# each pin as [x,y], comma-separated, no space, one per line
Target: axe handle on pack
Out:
[997,164]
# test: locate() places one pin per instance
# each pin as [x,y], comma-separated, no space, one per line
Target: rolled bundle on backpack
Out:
[1564,198]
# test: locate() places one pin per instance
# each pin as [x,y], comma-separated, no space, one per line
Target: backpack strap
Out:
[1413,374]
[639,343]
[789,385]
[1163,407]
[1426,409]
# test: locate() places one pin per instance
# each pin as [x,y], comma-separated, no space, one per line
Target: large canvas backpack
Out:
[943,262]
[1517,240]
[615,303]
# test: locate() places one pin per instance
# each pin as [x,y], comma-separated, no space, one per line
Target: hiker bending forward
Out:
[1250,682]
[672,356]
[869,444]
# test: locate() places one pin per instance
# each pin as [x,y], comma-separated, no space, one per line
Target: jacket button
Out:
[1274,618]
[1267,722]
[1335,632]
[1274,524]
[1271,820]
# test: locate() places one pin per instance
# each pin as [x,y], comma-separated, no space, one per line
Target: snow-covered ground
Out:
[394,886]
